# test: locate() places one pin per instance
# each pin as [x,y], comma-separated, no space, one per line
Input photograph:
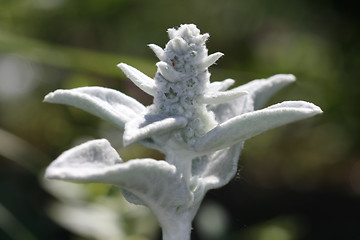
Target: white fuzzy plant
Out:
[199,125]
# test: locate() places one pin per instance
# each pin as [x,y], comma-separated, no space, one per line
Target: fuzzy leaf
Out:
[108,104]
[179,45]
[262,89]
[259,91]
[168,72]
[210,60]
[228,110]
[218,168]
[221,97]
[148,125]
[250,124]
[141,80]
[156,183]
[220,86]
[159,52]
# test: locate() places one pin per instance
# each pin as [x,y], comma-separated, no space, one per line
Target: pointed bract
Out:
[210,60]
[144,82]
[168,72]
[159,52]
[179,45]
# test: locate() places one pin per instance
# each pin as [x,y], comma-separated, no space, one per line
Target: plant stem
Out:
[181,230]
[179,227]
[182,161]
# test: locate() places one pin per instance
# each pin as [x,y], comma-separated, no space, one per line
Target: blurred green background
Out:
[300,181]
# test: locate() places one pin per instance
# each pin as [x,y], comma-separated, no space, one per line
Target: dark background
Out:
[300,181]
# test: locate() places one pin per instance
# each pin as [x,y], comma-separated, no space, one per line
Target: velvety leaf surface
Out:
[109,104]
[148,125]
[250,124]
[217,169]
[141,80]
[259,91]
[155,183]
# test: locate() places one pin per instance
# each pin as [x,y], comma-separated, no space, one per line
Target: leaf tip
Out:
[316,109]
[50,96]
[283,78]
[121,66]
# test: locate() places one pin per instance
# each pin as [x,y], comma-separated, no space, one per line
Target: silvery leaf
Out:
[145,126]
[168,72]
[228,110]
[90,221]
[250,124]
[156,183]
[221,97]
[141,80]
[259,91]
[220,167]
[109,104]
[262,89]
[210,60]
[220,86]
[159,52]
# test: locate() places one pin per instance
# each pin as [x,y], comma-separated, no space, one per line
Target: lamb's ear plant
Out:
[199,125]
